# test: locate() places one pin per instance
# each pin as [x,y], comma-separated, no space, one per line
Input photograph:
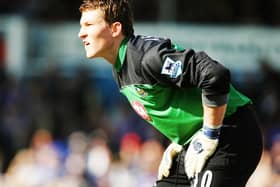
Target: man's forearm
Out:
[213,116]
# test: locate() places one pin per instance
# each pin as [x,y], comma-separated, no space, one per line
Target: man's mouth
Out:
[86,43]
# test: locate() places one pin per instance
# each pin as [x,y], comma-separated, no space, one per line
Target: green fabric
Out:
[121,54]
[176,113]
[177,47]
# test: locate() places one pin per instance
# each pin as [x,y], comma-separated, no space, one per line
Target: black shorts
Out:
[236,157]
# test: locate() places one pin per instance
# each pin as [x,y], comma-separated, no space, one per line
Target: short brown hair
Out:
[114,10]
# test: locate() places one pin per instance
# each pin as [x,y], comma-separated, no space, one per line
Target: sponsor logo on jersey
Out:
[140,110]
[171,68]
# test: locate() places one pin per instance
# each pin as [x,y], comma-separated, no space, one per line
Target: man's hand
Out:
[166,162]
[202,146]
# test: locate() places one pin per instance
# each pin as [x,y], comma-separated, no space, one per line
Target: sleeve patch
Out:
[171,68]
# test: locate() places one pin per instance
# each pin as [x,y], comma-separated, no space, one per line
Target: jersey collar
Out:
[121,54]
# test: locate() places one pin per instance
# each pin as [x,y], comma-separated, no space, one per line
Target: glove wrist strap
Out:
[212,133]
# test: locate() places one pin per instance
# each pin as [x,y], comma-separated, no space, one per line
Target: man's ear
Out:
[116,29]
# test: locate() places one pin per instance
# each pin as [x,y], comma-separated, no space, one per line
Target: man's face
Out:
[95,33]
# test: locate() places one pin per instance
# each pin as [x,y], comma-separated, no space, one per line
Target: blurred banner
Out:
[33,46]
[14,36]
[238,47]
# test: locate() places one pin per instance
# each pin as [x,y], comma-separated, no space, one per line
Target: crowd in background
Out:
[61,131]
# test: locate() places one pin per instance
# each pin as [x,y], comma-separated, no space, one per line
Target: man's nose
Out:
[81,33]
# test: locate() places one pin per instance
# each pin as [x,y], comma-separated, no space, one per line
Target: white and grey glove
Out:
[166,162]
[202,146]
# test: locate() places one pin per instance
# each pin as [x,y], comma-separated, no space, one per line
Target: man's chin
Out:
[90,56]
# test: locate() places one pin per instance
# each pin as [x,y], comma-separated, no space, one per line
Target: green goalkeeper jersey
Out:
[167,85]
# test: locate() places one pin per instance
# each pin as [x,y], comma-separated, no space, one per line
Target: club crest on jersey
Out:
[140,110]
[141,92]
[172,68]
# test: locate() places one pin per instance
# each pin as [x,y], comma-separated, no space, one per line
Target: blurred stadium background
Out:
[63,122]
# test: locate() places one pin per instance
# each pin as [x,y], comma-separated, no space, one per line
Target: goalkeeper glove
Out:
[166,162]
[202,146]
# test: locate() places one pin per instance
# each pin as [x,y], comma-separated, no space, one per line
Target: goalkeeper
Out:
[184,94]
